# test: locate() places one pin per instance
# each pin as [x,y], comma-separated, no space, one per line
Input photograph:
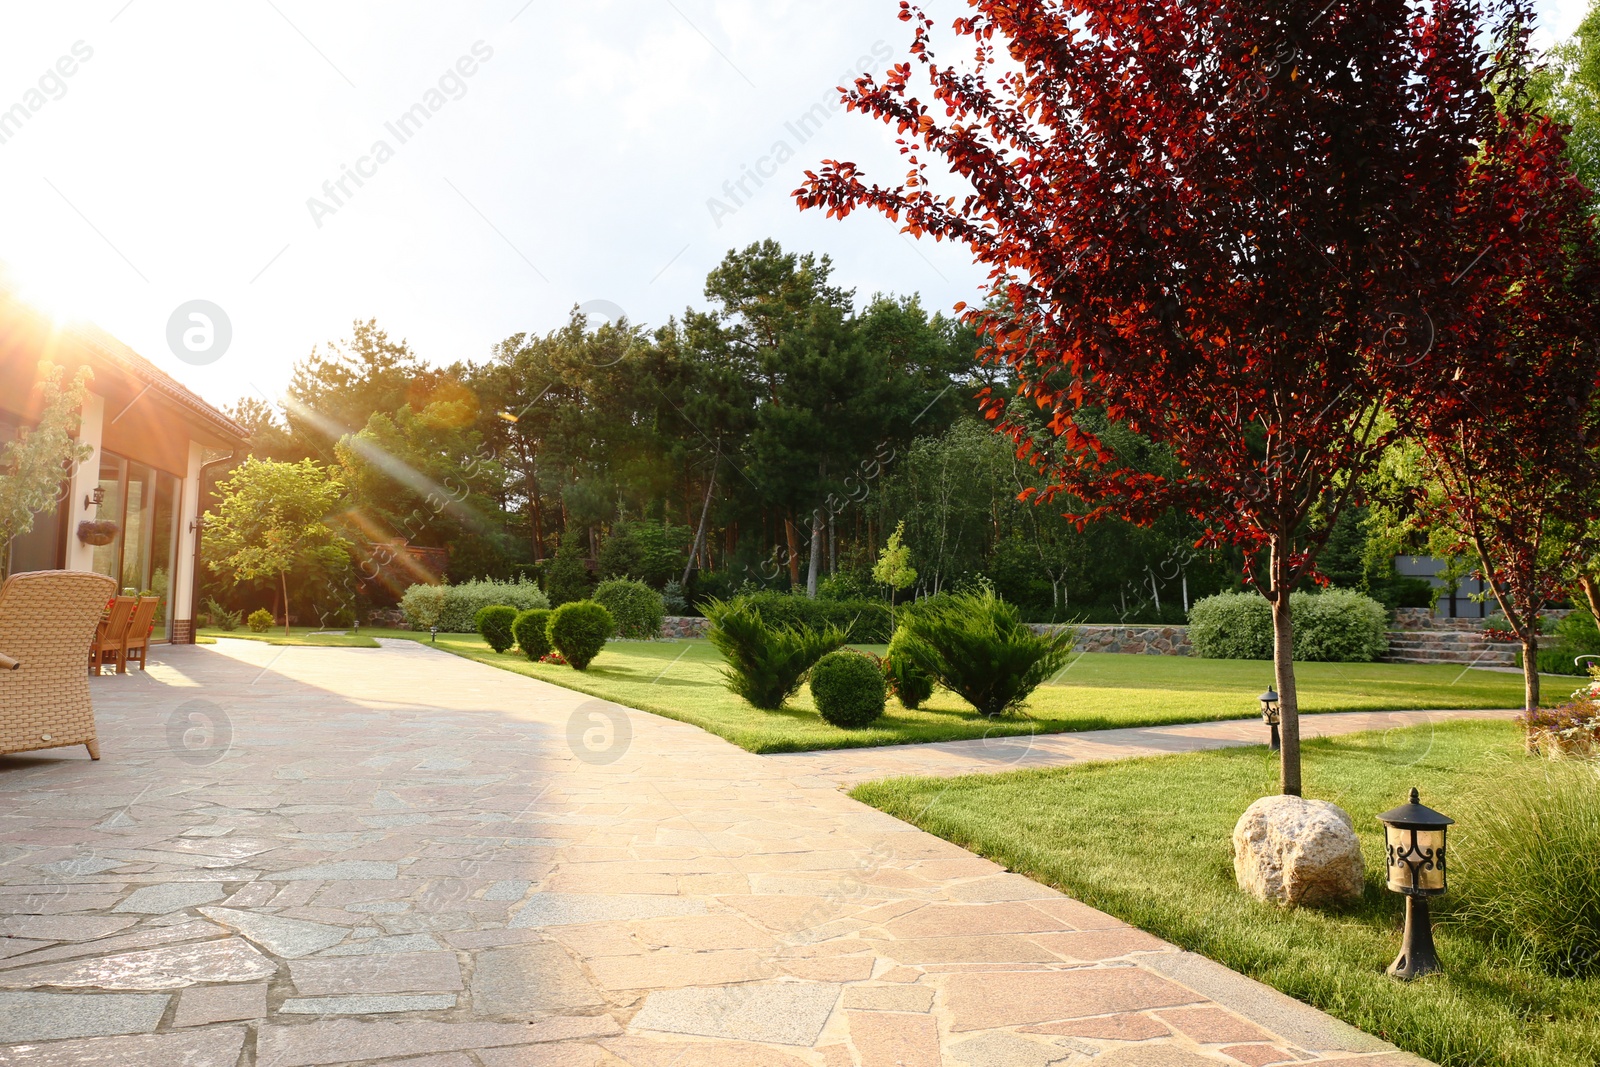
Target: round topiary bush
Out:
[494,624]
[848,689]
[579,630]
[532,631]
[909,682]
[637,609]
[260,621]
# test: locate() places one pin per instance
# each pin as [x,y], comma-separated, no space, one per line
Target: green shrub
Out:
[848,689]
[223,619]
[1336,626]
[1524,869]
[977,646]
[260,621]
[910,683]
[579,630]
[672,598]
[568,578]
[494,623]
[864,622]
[765,663]
[637,609]
[454,608]
[422,605]
[532,631]
[1231,626]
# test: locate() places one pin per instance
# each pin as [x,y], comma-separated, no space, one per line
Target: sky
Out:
[251,162]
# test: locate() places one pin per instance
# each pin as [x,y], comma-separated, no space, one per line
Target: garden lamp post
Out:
[1270,716]
[433,634]
[1415,835]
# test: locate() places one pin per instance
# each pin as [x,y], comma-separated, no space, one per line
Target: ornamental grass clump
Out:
[765,664]
[848,689]
[532,632]
[1525,869]
[976,645]
[579,629]
[494,626]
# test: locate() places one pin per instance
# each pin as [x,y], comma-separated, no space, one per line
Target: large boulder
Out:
[1293,851]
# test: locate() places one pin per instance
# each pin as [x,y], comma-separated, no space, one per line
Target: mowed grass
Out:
[681,680]
[297,636]
[1149,841]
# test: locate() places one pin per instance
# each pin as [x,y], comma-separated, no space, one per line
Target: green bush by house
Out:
[1334,626]
[765,662]
[637,609]
[848,689]
[494,625]
[531,630]
[579,630]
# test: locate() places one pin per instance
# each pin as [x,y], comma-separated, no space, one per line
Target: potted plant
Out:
[97,532]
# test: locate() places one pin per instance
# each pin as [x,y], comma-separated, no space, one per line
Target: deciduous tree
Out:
[1218,222]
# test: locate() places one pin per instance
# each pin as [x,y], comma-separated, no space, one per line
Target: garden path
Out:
[312,856]
[987,755]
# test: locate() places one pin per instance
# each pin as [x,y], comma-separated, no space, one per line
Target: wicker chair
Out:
[137,643]
[47,618]
[111,636]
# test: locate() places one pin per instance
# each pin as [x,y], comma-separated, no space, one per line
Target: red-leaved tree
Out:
[1225,223]
[1505,405]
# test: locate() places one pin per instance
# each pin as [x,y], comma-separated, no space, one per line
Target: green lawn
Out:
[680,680]
[1149,842]
[297,636]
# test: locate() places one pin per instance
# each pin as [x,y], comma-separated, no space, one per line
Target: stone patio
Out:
[293,857]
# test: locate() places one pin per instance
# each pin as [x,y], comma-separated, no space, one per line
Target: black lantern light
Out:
[1415,835]
[1270,716]
[433,631]
[95,497]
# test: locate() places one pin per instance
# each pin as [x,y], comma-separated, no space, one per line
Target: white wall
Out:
[85,479]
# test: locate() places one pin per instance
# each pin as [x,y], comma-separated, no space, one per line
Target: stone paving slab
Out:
[399,857]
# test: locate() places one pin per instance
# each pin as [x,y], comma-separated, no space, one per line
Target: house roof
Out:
[101,348]
[147,373]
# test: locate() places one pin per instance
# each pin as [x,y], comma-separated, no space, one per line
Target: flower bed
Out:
[1570,730]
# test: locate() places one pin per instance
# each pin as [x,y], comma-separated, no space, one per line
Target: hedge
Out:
[458,614]
[1337,626]
[864,622]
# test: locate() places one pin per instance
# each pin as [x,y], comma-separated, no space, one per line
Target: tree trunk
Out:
[283,576]
[705,511]
[818,544]
[1530,671]
[792,535]
[1283,673]
[1586,581]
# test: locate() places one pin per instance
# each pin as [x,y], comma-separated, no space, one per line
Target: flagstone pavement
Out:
[293,857]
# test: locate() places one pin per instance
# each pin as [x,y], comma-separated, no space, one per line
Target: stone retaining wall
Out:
[1130,640]
[680,626]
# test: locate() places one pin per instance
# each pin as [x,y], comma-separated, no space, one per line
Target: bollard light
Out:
[1415,835]
[1270,716]
[433,631]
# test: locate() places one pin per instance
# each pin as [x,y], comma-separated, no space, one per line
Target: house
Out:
[153,442]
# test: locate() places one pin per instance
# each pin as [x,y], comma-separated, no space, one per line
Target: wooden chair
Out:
[111,636]
[46,619]
[137,642]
